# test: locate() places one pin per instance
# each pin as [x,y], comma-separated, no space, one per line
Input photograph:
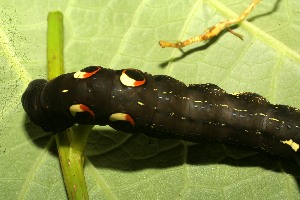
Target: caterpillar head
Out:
[31,101]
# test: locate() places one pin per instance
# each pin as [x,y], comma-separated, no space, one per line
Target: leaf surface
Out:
[120,34]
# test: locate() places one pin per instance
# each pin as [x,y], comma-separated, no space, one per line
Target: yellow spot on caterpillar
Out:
[261,114]
[224,105]
[141,103]
[240,110]
[293,144]
[65,91]
[236,93]
[274,119]
[198,101]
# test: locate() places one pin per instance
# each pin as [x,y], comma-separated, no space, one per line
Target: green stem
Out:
[55,45]
[70,150]
[71,142]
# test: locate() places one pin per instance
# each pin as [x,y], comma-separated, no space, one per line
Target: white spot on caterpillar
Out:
[122,117]
[65,91]
[117,117]
[79,74]
[128,81]
[293,144]
[75,108]
[80,108]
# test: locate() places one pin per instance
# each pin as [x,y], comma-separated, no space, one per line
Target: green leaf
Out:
[120,34]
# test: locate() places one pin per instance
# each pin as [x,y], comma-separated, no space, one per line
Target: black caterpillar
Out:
[162,107]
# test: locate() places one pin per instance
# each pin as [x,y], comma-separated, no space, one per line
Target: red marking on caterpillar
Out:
[87,109]
[129,119]
[81,108]
[87,72]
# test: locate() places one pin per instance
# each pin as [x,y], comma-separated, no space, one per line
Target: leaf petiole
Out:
[71,142]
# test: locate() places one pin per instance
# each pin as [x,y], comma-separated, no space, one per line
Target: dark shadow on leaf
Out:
[275,8]
[36,134]
[120,151]
[138,152]
[191,51]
